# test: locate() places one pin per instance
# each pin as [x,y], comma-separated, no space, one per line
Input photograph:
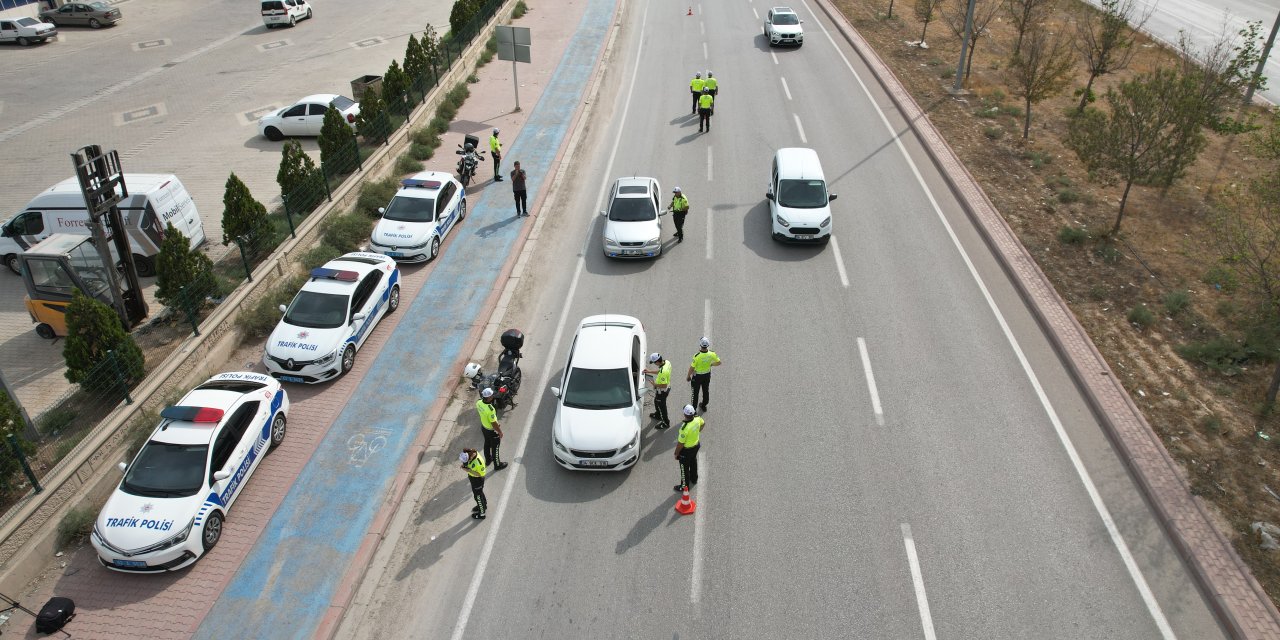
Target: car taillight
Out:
[351,118]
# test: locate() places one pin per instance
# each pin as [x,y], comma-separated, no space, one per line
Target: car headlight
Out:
[653,241]
[634,441]
[556,442]
[608,242]
[419,246]
[782,221]
[329,358]
[825,222]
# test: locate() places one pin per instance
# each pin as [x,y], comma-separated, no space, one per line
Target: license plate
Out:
[129,564]
[395,254]
[594,463]
[630,252]
[291,379]
[804,237]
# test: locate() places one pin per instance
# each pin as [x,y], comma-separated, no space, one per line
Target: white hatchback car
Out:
[169,508]
[782,26]
[425,209]
[277,13]
[331,317]
[306,117]
[633,219]
[598,418]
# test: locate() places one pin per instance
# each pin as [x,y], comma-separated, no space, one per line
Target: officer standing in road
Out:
[706,106]
[699,375]
[473,464]
[662,388]
[490,427]
[712,84]
[695,87]
[495,148]
[679,209]
[688,442]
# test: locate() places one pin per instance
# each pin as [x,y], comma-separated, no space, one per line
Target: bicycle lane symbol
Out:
[362,447]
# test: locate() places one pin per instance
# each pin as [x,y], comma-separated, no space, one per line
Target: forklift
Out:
[55,268]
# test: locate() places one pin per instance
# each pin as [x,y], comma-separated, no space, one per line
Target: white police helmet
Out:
[688,410]
[655,357]
[486,393]
[463,457]
[705,343]
[472,370]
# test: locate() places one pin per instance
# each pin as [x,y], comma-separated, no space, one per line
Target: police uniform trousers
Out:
[492,442]
[701,381]
[477,490]
[689,466]
[704,119]
[660,406]
[497,161]
[696,94]
[678,217]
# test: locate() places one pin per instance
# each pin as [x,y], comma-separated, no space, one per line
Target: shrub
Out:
[347,232]
[439,125]
[67,445]
[1222,354]
[1058,181]
[261,317]
[242,216]
[1072,235]
[1037,159]
[375,195]
[1177,301]
[520,9]
[318,255]
[184,276]
[1221,278]
[1141,317]
[490,48]
[1068,196]
[407,164]
[1108,253]
[11,422]
[425,136]
[55,420]
[994,133]
[75,526]
[93,329]
[421,152]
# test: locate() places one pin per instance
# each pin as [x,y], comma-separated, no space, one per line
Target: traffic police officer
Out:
[706,105]
[679,209]
[712,84]
[661,385]
[695,87]
[699,375]
[687,445]
[473,464]
[495,148]
[490,427]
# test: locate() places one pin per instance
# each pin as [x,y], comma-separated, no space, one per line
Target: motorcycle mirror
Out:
[555,391]
[459,152]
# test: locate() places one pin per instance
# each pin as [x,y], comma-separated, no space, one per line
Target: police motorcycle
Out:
[506,382]
[470,160]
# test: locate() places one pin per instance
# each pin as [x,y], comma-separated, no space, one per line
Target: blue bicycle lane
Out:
[286,583]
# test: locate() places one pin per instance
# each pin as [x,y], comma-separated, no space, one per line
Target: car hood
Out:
[303,343]
[394,233]
[131,522]
[788,29]
[643,231]
[594,429]
[803,216]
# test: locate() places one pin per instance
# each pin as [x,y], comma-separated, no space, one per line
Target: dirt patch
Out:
[1210,422]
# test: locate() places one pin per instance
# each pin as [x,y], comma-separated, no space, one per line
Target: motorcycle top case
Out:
[513,339]
[471,140]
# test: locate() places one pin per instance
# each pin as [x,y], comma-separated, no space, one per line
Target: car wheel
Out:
[212,532]
[462,214]
[93,22]
[278,427]
[393,299]
[45,331]
[13,263]
[273,134]
[308,13]
[435,248]
[22,41]
[292,22]
[146,266]
[348,358]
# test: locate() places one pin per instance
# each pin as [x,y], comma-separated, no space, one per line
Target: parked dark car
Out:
[94,14]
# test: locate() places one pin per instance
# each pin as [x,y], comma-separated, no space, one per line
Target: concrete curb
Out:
[1231,590]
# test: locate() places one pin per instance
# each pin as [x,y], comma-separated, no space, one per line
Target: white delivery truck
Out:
[155,200]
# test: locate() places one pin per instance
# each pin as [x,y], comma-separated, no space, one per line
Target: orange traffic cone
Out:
[686,506]
[690,11]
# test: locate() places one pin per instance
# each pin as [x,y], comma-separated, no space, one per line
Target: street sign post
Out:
[513,45]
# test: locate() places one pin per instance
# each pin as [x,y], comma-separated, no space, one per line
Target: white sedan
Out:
[425,209]
[598,418]
[633,223]
[306,117]
[331,317]
[169,508]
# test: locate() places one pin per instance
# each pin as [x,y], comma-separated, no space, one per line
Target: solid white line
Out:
[705,56]
[871,382]
[757,14]
[922,600]
[695,580]
[1135,574]
[785,88]
[709,173]
[800,128]
[775,57]
[708,233]
[486,552]
[706,318]
[835,246]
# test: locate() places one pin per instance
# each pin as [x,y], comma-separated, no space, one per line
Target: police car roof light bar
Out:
[335,274]
[192,414]
[418,182]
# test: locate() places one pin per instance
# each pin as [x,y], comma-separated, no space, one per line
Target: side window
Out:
[564,381]
[50,277]
[30,223]
[6,26]
[443,199]
[364,291]
[295,111]
[316,109]
[635,362]
[231,435]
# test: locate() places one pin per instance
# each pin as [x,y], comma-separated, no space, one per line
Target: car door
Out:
[364,301]
[655,192]
[8,30]
[293,122]
[768,23]
[446,209]
[240,443]
[315,118]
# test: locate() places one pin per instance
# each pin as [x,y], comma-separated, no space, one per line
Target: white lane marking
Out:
[695,580]
[800,128]
[835,250]
[709,174]
[871,381]
[708,233]
[785,88]
[702,28]
[775,57]
[922,599]
[757,14]
[705,56]
[1135,574]
[486,552]
[706,318]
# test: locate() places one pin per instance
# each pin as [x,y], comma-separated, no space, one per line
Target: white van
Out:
[799,205]
[155,199]
[278,13]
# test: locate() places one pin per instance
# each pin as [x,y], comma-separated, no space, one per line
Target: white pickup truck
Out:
[26,30]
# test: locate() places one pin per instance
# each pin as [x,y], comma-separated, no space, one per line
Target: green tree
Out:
[1023,14]
[1041,70]
[297,175]
[1105,39]
[372,123]
[93,329]
[11,422]
[460,16]
[338,150]
[242,216]
[430,44]
[184,276]
[415,59]
[395,89]
[1222,72]
[1150,136]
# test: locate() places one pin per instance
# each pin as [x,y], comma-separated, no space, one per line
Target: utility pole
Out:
[1266,52]
[964,49]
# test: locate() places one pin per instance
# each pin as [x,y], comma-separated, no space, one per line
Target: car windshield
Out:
[786,18]
[27,22]
[632,210]
[165,470]
[411,209]
[598,389]
[317,310]
[343,103]
[802,194]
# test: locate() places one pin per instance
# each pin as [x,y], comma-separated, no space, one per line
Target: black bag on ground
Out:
[55,614]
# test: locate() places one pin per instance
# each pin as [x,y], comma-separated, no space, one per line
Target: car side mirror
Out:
[769,195]
[358,317]
[603,212]
[221,475]
[831,197]
[123,466]
[802,22]
[382,210]
[283,308]
[555,391]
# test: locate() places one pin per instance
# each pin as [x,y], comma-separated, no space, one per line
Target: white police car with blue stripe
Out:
[169,508]
[425,209]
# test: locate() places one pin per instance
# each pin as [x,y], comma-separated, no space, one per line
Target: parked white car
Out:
[425,209]
[169,508]
[25,31]
[782,26]
[306,117]
[633,222]
[598,418]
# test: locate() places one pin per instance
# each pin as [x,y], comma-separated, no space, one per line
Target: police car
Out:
[331,317]
[169,508]
[425,209]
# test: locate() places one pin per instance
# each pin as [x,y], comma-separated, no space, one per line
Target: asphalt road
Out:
[176,87]
[892,449]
